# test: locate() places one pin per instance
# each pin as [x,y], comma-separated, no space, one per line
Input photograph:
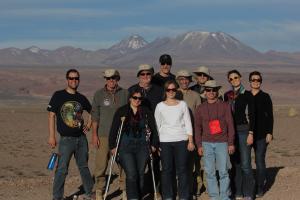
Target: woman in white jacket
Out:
[176,139]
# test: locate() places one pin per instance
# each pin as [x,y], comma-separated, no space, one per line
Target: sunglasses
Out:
[256,80]
[171,89]
[234,78]
[73,78]
[111,78]
[145,74]
[211,89]
[164,63]
[137,98]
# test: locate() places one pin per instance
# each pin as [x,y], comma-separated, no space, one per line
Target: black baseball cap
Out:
[165,59]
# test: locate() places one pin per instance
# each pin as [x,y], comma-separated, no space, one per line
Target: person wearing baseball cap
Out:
[164,73]
[105,102]
[214,135]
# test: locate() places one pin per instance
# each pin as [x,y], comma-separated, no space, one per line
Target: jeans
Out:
[243,178]
[216,158]
[133,158]
[68,146]
[260,148]
[174,151]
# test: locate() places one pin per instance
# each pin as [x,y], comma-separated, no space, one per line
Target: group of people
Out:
[185,129]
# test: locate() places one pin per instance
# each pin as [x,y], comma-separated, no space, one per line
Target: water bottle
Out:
[52,161]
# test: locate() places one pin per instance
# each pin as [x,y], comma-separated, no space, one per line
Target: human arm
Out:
[270,119]
[154,140]
[95,139]
[51,127]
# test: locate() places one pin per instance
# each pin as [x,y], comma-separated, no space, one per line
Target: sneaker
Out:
[247,198]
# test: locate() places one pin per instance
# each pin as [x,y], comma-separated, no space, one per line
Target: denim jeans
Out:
[133,158]
[68,146]
[260,148]
[174,153]
[243,178]
[216,158]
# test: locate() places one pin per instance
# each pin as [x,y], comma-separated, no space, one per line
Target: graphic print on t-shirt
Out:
[71,114]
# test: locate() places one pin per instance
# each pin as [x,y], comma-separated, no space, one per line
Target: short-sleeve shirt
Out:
[68,109]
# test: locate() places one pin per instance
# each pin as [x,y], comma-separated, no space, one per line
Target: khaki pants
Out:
[102,164]
[197,177]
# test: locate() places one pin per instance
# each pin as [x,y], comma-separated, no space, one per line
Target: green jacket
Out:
[104,106]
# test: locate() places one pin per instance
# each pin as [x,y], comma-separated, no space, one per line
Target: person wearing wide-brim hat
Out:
[214,135]
[152,94]
[201,75]
[192,98]
[164,74]
[105,102]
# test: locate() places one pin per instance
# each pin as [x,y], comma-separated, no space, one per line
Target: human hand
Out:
[153,149]
[250,139]
[200,151]
[113,151]
[52,142]
[191,146]
[269,138]
[85,129]
[95,141]
[231,149]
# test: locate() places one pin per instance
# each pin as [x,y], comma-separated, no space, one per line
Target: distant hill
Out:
[189,49]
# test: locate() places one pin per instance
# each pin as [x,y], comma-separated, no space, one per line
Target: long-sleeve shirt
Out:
[242,105]
[214,111]
[263,115]
[173,122]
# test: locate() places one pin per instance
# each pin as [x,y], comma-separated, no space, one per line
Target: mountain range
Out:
[189,49]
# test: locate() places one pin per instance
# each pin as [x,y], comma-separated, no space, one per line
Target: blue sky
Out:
[96,24]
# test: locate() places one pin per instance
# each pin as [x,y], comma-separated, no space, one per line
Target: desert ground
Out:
[24,152]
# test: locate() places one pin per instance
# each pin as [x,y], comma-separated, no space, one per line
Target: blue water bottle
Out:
[52,161]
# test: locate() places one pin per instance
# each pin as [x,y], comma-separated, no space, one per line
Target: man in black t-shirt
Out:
[66,108]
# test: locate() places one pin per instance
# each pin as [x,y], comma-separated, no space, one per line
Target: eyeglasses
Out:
[211,89]
[164,63]
[234,78]
[256,80]
[137,98]
[145,74]
[171,90]
[111,78]
[73,78]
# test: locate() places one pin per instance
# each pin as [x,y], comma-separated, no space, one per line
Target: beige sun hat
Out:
[212,84]
[202,69]
[145,67]
[183,73]
[110,73]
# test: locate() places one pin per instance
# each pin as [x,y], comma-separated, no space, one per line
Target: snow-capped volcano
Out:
[131,43]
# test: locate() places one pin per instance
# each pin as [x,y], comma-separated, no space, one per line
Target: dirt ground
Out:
[24,155]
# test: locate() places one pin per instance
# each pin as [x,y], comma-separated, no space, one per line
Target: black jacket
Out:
[123,112]
[263,115]
[244,101]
